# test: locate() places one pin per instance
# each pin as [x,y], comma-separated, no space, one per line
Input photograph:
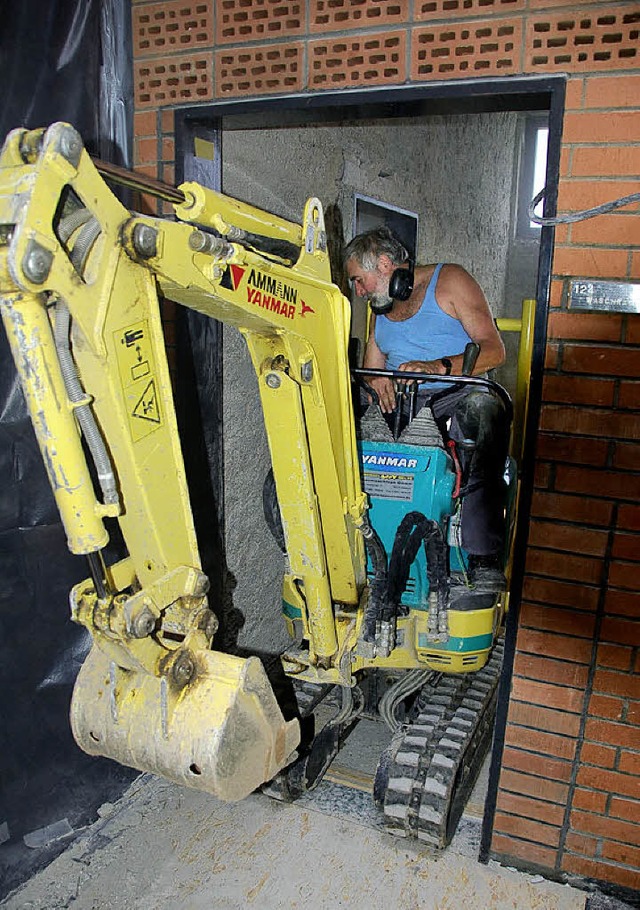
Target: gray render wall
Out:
[455,172]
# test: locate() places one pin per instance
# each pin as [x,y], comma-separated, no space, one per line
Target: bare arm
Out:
[375,359]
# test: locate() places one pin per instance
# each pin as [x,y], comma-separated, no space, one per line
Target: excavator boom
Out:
[79,283]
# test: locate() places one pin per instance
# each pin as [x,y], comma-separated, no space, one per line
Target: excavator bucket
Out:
[222,732]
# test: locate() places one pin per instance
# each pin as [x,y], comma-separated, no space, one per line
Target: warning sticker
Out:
[136,366]
[389,486]
[147,407]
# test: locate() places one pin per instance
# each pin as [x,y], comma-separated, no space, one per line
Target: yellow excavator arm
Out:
[79,282]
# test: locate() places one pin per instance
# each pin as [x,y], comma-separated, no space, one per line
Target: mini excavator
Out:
[375,593]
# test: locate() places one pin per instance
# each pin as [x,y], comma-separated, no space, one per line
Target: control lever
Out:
[469,358]
[413,394]
[398,413]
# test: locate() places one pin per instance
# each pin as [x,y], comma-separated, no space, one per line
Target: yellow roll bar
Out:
[524,326]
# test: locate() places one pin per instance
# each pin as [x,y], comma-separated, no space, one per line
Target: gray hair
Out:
[366,248]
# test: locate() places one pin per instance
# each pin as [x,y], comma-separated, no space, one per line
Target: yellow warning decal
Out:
[136,366]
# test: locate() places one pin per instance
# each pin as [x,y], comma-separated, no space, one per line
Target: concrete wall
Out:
[455,172]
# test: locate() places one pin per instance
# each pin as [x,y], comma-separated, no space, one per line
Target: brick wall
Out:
[570,784]
[569,787]
[570,781]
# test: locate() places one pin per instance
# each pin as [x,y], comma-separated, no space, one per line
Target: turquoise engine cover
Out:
[399,479]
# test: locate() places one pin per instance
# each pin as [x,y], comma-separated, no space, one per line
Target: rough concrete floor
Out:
[163,847]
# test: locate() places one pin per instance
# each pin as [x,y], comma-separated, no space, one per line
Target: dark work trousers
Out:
[476,420]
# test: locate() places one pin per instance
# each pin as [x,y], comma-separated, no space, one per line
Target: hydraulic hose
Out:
[350,707]
[377,603]
[72,222]
[405,548]
[271,246]
[89,230]
[409,682]
[82,247]
[415,529]
[83,412]
[436,553]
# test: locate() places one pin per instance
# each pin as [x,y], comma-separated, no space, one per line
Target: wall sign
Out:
[611,296]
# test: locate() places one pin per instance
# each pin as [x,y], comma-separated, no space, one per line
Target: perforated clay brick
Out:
[580,41]
[336,15]
[481,48]
[259,70]
[426,10]
[254,20]
[167,27]
[366,60]
[173,80]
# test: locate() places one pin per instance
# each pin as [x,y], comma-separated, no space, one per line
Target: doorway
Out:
[451,153]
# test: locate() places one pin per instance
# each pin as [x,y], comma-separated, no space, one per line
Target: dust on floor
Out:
[163,847]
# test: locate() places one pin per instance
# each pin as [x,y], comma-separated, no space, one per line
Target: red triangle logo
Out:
[236,275]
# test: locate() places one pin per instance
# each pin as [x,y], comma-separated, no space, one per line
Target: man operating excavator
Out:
[422,320]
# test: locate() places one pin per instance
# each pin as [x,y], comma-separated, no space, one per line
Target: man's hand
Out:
[386,387]
[433,367]
[385,390]
[423,366]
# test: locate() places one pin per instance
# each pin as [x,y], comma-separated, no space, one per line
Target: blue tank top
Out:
[429,334]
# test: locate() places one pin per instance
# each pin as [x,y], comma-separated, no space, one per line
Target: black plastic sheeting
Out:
[59,60]
[69,60]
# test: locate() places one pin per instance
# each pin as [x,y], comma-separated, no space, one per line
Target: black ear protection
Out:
[401,283]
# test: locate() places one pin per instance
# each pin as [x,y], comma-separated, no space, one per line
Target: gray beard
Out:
[380,303]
